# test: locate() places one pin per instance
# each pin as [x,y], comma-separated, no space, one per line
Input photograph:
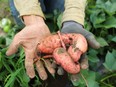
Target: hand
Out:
[73,27]
[33,33]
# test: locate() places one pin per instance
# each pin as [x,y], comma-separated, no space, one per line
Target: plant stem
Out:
[84,79]
[108,77]
[107,84]
[62,43]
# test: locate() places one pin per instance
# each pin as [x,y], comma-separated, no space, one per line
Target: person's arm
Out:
[75,11]
[29,37]
[28,7]
[73,21]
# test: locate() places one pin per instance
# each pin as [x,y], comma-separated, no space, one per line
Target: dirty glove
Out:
[29,37]
[74,27]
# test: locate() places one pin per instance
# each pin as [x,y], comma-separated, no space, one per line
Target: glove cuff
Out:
[67,23]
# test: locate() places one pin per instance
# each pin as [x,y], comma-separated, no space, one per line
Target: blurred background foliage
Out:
[100,20]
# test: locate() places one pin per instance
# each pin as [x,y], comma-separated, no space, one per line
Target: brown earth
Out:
[4,9]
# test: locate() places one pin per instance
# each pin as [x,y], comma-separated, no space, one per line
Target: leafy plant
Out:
[100,20]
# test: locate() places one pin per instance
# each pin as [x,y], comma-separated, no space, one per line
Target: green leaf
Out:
[48,15]
[21,56]
[79,80]
[59,22]
[93,58]
[97,17]
[114,39]
[8,41]
[110,22]
[87,25]
[92,52]
[3,74]
[92,55]
[12,78]
[114,53]
[2,40]
[110,62]
[109,6]
[24,78]
[89,78]
[6,65]
[102,41]
[109,37]
[0,60]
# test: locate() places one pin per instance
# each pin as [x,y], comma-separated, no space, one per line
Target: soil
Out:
[58,81]
[2,33]
[4,9]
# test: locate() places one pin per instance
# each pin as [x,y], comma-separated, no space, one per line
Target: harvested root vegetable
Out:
[63,59]
[75,53]
[67,56]
[78,47]
[53,41]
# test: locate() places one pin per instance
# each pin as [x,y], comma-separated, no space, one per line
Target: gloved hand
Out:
[74,27]
[29,37]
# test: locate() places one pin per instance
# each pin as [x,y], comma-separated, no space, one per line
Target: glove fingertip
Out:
[60,71]
[93,43]
[97,45]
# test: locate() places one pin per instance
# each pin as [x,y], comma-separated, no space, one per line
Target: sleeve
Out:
[74,11]
[28,7]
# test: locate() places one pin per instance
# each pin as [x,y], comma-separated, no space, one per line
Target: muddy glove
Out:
[74,27]
[29,37]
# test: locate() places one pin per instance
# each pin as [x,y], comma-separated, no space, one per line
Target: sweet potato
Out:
[49,44]
[53,41]
[78,47]
[63,59]
[67,57]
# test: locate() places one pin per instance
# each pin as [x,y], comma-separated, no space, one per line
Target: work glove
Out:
[74,27]
[33,33]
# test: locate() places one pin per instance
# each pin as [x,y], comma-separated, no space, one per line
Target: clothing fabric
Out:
[15,13]
[73,9]
[45,6]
